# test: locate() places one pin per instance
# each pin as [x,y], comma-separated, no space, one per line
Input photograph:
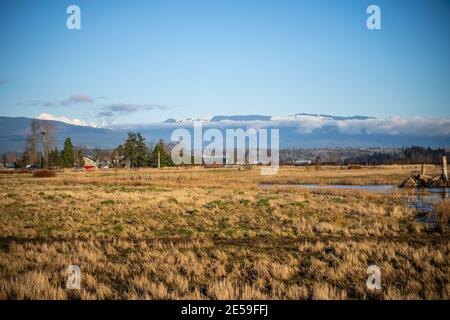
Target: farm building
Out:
[89,163]
[11,166]
[214,160]
[302,162]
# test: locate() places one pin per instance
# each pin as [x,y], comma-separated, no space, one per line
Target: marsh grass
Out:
[443,214]
[214,234]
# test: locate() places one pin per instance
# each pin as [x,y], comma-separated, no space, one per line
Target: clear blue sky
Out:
[159,59]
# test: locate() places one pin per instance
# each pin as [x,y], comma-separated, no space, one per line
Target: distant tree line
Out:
[40,149]
[411,155]
[363,156]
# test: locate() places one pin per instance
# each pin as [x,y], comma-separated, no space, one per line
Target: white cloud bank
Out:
[76,122]
[392,126]
[416,126]
[413,126]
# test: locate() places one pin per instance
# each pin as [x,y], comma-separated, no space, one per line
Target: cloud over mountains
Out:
[75,122]
[300,123]
[309,131]
[310,123]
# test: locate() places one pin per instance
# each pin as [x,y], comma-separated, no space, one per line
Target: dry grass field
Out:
[195,233]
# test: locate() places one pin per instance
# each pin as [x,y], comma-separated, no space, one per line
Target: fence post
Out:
[444,169]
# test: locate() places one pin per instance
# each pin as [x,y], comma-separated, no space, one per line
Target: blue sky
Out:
[145,61]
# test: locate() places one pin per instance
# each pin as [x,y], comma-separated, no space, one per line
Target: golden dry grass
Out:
[193,233]
[443,214]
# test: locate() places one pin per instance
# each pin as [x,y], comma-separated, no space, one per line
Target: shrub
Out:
[215,203]
[244,202]
[44,174]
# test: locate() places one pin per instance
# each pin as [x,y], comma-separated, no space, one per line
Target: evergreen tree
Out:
[135,150]
[67,155]
[164,156]
[54,159]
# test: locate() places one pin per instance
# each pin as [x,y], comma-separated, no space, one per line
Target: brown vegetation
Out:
[44,174]
[214,234]
[355,167]
[443,213]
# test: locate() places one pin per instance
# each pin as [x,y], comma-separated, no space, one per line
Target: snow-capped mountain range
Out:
[298,116]
[298,130]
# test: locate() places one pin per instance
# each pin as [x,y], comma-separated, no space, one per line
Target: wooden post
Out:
[444,169]
[159,160]
[422,169]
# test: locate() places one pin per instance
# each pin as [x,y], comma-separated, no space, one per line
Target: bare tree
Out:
[11,157]
[32,142]
[101,154]
[78,153]
[48,141]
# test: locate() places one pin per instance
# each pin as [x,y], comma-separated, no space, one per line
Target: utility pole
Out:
[159,160]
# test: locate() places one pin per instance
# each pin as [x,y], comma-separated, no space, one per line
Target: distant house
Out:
[11,166]
[121,161]
[302,162]
[89,163]
[214,161]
